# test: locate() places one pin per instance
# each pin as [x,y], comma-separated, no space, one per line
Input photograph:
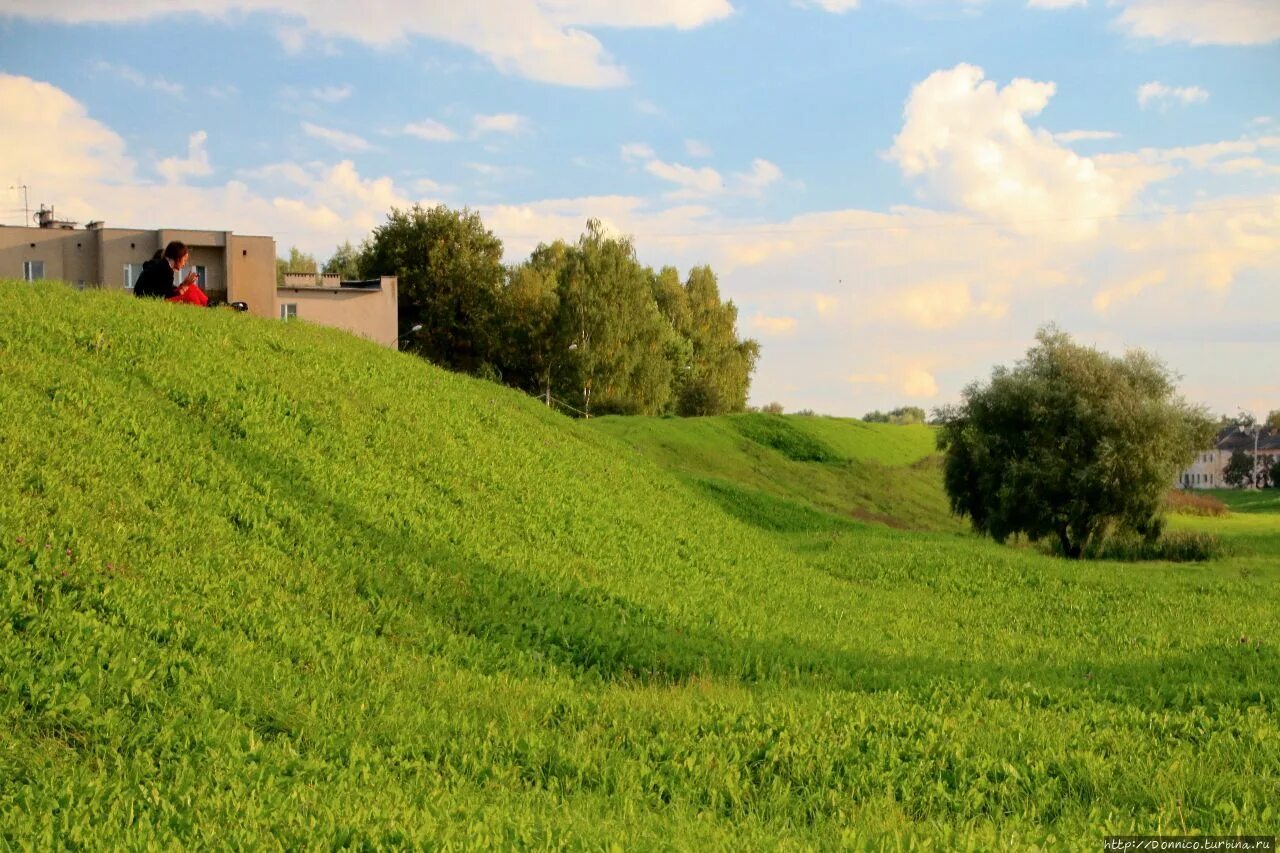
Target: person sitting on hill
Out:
[159,274]
[189,293]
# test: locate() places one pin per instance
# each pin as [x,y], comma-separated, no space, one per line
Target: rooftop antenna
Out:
[26,207]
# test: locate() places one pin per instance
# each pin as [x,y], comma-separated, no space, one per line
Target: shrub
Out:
[1127,547]
[1184,502]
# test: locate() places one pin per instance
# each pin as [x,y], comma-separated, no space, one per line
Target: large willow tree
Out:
[1070,443]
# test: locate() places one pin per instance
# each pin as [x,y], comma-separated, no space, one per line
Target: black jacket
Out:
[156,279]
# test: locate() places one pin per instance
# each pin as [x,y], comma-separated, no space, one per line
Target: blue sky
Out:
[895,193]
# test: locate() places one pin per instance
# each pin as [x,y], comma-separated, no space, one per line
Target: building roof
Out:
[370,286]
[1235,438]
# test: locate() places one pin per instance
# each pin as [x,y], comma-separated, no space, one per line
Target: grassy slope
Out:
[872,472]
[269,580]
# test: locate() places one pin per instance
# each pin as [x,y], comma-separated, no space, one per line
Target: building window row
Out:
[32,270]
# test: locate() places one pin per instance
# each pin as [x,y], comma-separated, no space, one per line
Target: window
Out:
[32,270]
[201,276]
[288,310]
[131,273]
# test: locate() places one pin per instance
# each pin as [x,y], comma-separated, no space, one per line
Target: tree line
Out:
[583,324]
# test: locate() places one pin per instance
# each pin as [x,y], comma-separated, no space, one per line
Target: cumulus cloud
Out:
[194,165]
[1238,22]
[692,181]
[695,181]
[762,174]
[633,151]
[1161,95]
[772,326]
[919,384]
[942,304]
[429,130]
[837,7]
[539,39]
[499,123]
[1084,136]
[339,139]
[970,142]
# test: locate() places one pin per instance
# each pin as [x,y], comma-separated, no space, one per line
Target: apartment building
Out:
[231,268]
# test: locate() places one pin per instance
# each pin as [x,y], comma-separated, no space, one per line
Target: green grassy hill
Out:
[763,467]
[265,584]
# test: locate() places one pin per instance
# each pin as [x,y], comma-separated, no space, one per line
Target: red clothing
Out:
[190,295]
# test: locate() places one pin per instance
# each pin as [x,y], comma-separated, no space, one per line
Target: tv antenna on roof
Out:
[26,207]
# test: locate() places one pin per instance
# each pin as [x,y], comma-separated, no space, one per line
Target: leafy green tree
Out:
[345,261]
[531,347]
[721,365]
[1239,470]
[609,316]
[1070,443]
[1273,475]
[1273,420]
[298,261]
[450,277]
[673,304]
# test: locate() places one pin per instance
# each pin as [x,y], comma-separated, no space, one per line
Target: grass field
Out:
[268,585]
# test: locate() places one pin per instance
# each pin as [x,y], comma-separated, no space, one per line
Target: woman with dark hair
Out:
[159,275]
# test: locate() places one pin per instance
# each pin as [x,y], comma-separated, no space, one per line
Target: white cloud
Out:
[195,164]
[773,326]
[919,383]
[762,174]
[970,142]
[941,304]
[499,123]
[706,181]
[339,139]
[1055,4]
[539,39]
[1126,290]
[836,7]
[824,304]
[694,148]
[633,151]
[332,94]
[692,182]
[137,78]
[1162,95]
[868,378]
[430,130]
[1240,22]
[1084,136]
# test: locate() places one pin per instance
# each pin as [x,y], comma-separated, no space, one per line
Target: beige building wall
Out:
[371,313]
[120,246]
[252,265]
[67,255]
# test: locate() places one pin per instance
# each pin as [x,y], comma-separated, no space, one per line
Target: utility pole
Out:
[26,207]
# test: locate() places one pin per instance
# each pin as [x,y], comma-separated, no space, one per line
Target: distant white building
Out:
[1206,471]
